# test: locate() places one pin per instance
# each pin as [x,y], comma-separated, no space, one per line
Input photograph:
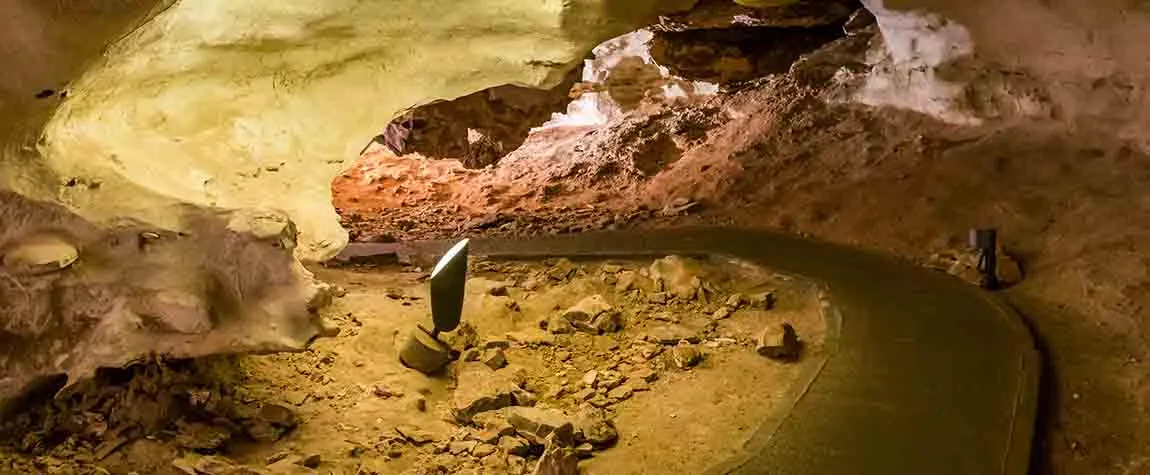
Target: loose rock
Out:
[536,421]
[590,378]
[560,325]
[587,309]
[516,446]
[483,450]
[735,301]
[685,356]
[671,334]
[414,434]
[471,354]
[780,343]
[763,300]
[495,359]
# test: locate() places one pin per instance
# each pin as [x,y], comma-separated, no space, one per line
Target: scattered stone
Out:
[382,391]
[483,450]
[478,389]
[488,436]
[560,325]
[419,404]
[780,343]
[465,336]
[599,400]
[585,394]
[620,393]
[677,275]
[562,355]
[296,398]
[469,355]
[646,375]
[536,421]
[494,358]
[685,356]
[461,447]
[593,428]
[590,378]
[763,300]
[612,268]
[671,334]
[587,309]
[278,415]
[735,301]
[626,281]
[650,351]
[584,450]
[203,437]
[500,344]
[524,397]
[312,461]
[658,298]
[195,464]
[498,291]
[276,457]
[516,446]
[607,322]
[610,380]
[665,317]
[414,434]
[721,314]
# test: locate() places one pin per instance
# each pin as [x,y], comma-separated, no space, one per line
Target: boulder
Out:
[587,309]
[780,343]
[684,356]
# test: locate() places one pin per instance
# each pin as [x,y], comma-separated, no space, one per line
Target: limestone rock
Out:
[536,421]
[478,389]
[780,342]
[415,434]
[677,276]
[558,460]
[762,300]
[559,325]
[592,427]
[494,358]
[590,378]
[671,334]
[39,255]
[685,356]
[644,374]
[515,446]
[587,309]
[198,436]
[610,380]
[735,301]
[482,450]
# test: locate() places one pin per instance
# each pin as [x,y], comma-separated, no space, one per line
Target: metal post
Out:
[985,241]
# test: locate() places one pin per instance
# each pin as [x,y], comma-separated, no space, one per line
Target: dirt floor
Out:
[657,365]
[1069,200]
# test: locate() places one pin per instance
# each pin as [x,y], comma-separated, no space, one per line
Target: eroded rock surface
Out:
[190,166]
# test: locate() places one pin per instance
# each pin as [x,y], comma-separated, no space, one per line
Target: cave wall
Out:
[502,115]
[186,151]
[1063,60]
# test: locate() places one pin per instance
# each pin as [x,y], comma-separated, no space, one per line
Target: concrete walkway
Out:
[925,374]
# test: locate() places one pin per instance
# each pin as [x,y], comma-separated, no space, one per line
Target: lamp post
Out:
[423,350]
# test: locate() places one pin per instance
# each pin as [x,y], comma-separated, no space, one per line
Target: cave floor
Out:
[348,403]
[1070,203]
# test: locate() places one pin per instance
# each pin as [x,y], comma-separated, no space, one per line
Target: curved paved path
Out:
[925,374]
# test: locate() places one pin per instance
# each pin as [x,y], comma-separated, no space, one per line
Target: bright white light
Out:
[451,253]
